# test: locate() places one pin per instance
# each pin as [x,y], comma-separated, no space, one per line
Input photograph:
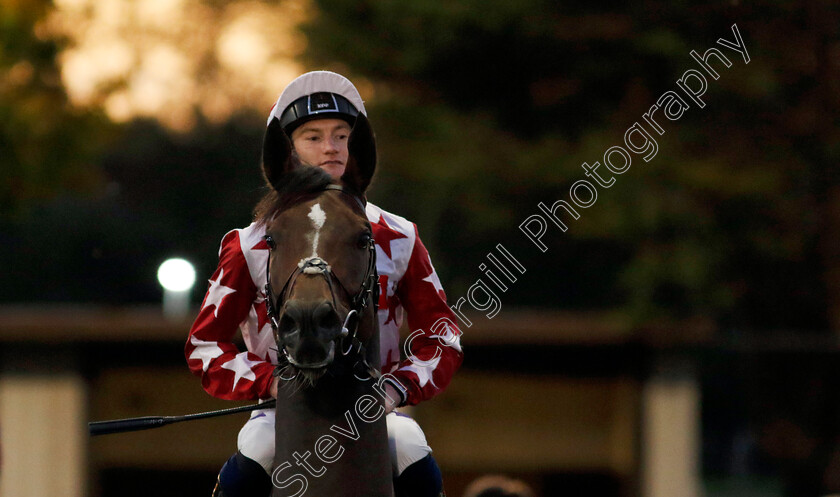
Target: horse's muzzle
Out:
[308,331]
[311,365]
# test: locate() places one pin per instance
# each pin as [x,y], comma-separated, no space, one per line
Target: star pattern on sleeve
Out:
[424,371]
[205,351]
[216,293]
[241,367]
[384,234]
[434,280]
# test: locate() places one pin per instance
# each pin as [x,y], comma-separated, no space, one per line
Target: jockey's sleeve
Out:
[225,371]
[433,347]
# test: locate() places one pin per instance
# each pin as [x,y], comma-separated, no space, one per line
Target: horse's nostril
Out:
[324,316]
[320,320]
[287,324]
[295,316]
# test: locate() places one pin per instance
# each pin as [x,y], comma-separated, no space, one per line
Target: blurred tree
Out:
[176,60]
[168,194]
[46,147]
[487,108]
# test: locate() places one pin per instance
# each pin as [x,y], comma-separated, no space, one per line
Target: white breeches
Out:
[405,440]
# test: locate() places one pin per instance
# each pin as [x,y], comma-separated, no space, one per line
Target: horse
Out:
[321,298]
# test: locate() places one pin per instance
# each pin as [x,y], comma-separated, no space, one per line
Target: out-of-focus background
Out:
[679,340]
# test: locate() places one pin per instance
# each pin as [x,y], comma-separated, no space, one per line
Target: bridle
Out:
[368,294]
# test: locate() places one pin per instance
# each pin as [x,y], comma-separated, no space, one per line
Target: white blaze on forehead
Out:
[318,218]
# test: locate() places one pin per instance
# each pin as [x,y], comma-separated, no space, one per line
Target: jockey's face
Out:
[323,143]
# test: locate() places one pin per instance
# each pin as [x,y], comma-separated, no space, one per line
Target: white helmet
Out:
[315,95]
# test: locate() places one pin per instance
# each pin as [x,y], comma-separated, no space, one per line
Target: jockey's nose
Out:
[332,145]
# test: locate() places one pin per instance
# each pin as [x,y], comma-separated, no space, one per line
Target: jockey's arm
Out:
[225,371]
[433,349]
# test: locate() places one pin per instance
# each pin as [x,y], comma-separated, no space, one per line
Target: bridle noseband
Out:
[368,294]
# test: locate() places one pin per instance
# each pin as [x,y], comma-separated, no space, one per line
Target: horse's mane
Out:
[295,186]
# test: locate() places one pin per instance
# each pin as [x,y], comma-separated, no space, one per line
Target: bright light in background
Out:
[167,58]
[176,275]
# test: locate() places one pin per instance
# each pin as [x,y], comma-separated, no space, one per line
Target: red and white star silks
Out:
[409,286]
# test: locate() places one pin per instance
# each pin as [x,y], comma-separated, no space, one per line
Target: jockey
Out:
[317,111]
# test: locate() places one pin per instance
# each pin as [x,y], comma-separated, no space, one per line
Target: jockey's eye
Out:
[364,240]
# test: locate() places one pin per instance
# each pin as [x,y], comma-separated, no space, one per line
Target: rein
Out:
[368,293]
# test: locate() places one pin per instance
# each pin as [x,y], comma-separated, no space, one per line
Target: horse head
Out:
[321,278]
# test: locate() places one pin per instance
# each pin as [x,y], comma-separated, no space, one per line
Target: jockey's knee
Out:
[406,441]
[242,477]
[416,473]
[256,439]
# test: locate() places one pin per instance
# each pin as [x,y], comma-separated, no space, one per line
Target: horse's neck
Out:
[326,435]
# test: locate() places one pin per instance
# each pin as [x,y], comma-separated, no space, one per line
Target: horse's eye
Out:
[269,240]
[364,240]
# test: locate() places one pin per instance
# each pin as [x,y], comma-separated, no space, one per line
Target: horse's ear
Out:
[362,161]
[277,153]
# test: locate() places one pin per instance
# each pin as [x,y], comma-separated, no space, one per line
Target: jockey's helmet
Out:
[317,95]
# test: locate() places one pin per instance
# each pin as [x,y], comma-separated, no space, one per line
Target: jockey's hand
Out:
[274,382]
[391,393]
